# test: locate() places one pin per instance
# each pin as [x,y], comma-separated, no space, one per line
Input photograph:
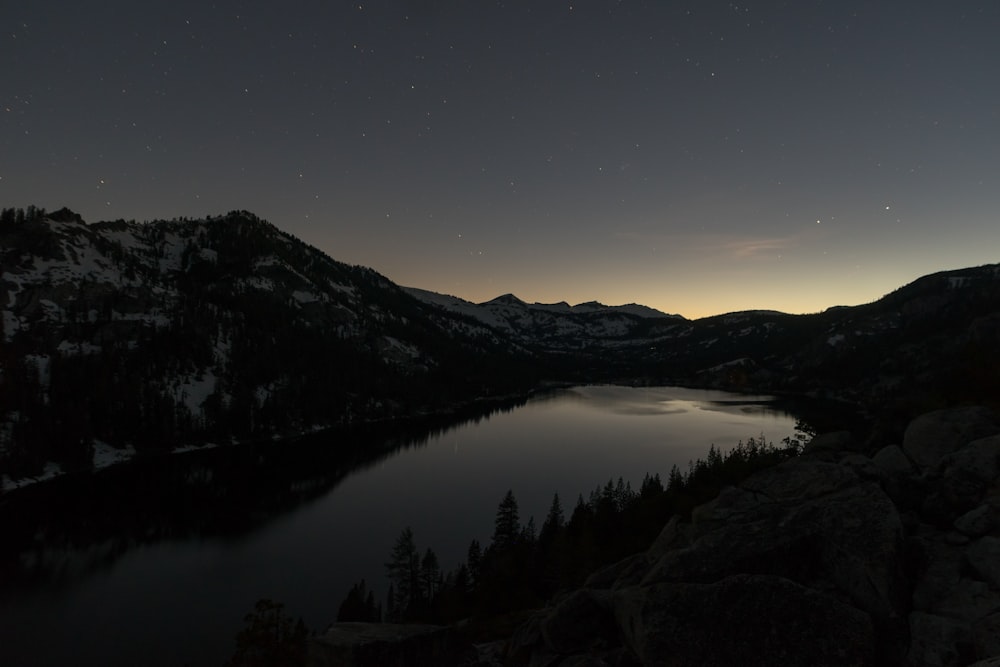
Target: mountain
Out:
[120,337]
[928,344]
[557,327]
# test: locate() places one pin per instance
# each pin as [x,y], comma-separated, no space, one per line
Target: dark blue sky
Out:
[697,157]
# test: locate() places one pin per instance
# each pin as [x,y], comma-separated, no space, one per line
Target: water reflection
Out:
[60,532]
[158,562]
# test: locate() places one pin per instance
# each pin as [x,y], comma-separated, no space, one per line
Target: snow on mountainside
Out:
[171,333]
[118,337]
[559,324]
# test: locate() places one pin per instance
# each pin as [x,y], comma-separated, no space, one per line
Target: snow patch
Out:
[260,283]
[171,253]
[105,455]
[153,317]
[51,470]
[183,449]
[337,287]
[68,348]
[52,310]
[303,296]
[41,361]
[195,389]
[11,325]
[742,361]
[835,340]
[396,346]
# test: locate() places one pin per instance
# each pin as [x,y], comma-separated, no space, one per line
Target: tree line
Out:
[524,565]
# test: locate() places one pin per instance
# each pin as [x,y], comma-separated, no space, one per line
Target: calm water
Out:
[132,586]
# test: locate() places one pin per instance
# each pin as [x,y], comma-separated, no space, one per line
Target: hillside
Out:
[121,337]
[927,344]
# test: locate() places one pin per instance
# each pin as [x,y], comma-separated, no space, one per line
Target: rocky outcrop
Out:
[384,645]
[833,558]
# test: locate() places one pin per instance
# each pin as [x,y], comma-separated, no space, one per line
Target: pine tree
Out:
[675,480]
[403,570]
[270,638]
[528,535]
[430,574]
[474,560]
[507,526]
[554,520]
[651,486]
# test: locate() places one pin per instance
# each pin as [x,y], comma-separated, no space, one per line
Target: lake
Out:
[157,562]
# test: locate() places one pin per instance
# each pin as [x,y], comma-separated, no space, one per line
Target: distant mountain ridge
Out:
[119,337]
[553,326]
[457,303]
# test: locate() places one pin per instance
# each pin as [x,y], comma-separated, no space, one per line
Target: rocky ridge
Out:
[854,553]
[835,558]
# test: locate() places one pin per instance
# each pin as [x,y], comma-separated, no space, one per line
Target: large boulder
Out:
[810,562]
[813,522]
[580,622]
[937,641]
[742,620]
[984,557]
[385,645]
[931,437]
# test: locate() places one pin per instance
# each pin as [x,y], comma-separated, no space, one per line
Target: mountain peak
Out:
[65,215]
[506,299]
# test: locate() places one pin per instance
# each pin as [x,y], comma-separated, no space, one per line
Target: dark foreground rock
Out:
[884,554]
[832,558]
[384,645]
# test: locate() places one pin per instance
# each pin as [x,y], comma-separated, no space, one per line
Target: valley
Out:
[189,384]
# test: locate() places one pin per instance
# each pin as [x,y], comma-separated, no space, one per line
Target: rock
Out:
[988,662]
[978,460]
[968,473]
[583,661]
[956,538]
[830,442]
[937,568]
[969,600]
[899,478]
[489,654]
[672,535]
[624,572]
[983,556]
[892,461]
[385,645]
[986,637]
[862,466]
[742,620]
[806,563]
[977,522]
[631,570]
[580,622]
[932,436]
[799,479]
[526,641]
[937,641]
[805,520]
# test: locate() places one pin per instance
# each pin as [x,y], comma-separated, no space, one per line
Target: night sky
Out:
[697,157]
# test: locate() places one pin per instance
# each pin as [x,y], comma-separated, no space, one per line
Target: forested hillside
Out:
[172,333]
[120,337]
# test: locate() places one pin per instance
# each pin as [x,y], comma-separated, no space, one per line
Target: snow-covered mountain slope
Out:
[558,325]
[169,333]
[118,337]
